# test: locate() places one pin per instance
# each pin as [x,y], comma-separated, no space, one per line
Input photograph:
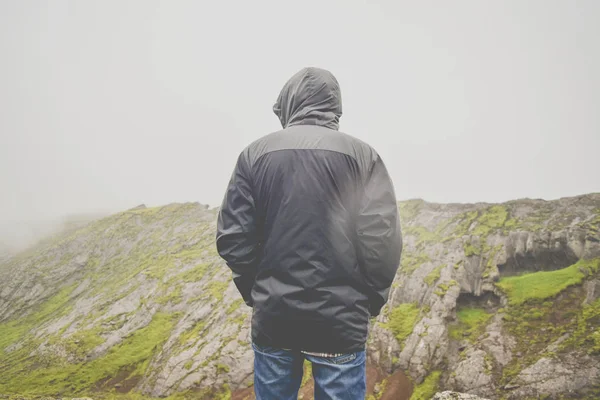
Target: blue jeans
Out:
[278,375]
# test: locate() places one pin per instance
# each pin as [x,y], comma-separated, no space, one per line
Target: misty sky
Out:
[109,104]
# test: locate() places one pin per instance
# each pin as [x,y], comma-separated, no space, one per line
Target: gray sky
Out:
[109,104]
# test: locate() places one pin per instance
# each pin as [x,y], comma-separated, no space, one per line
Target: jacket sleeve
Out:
[379,235]
[237,234]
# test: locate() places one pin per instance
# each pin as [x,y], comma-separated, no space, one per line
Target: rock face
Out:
[448,395]
[456,261]
[137,301]
[140,301]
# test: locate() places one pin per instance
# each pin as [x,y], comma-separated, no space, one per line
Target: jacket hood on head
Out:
[312,96]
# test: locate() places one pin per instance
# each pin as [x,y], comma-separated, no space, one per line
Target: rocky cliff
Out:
[498,300]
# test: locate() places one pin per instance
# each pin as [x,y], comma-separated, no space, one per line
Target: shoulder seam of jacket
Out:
[309,149]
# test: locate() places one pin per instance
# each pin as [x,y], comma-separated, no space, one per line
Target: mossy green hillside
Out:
[402,321]
[427,389]
[586,334]
[132,356]
[162,248]
[15,330]
[545,306]
[471,323]
[546,284]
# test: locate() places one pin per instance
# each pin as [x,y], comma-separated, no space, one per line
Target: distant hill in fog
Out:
[16,236]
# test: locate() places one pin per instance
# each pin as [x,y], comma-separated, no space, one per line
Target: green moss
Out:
[158,268]
[535,323]
[482,223]
[193,275]
[222,369]
[223,394]
[188,364]
[173,296]
[234,306]
[471,323]
[380,392]
[409,209]
[442,288]
[307,374]
[490,219]
[15,330]
[133,355]
[402,321]
[193,333]
[511,371]
[586,335]
[489,364]
[423,234]
[471,250]
[410,262]
[216,289]
[427,389]
[464,222]
[545,284]
[238,320]
[434,275]
[490,266]
[82,342]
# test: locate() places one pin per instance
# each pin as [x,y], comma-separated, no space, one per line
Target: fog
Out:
[109,104]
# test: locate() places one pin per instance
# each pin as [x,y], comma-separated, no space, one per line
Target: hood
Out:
[311,97]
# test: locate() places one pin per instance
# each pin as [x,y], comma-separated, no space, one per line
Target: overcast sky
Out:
[108,104]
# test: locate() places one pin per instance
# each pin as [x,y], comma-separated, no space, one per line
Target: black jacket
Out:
[309,225]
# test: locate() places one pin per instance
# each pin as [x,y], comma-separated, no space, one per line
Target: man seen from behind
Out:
[309,227]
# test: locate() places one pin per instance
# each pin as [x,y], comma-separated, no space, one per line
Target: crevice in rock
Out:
[489,301]
[555,255]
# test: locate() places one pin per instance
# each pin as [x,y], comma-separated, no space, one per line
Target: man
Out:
[309,227]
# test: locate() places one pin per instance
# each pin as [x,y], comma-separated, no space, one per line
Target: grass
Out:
[545,284]
[471,323]
[535,324]
[548,312]
[402,321]
[428,387]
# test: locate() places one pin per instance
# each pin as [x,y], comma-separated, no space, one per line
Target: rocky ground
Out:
[499,301]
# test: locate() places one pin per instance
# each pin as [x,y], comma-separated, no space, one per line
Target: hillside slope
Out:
[497,300]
